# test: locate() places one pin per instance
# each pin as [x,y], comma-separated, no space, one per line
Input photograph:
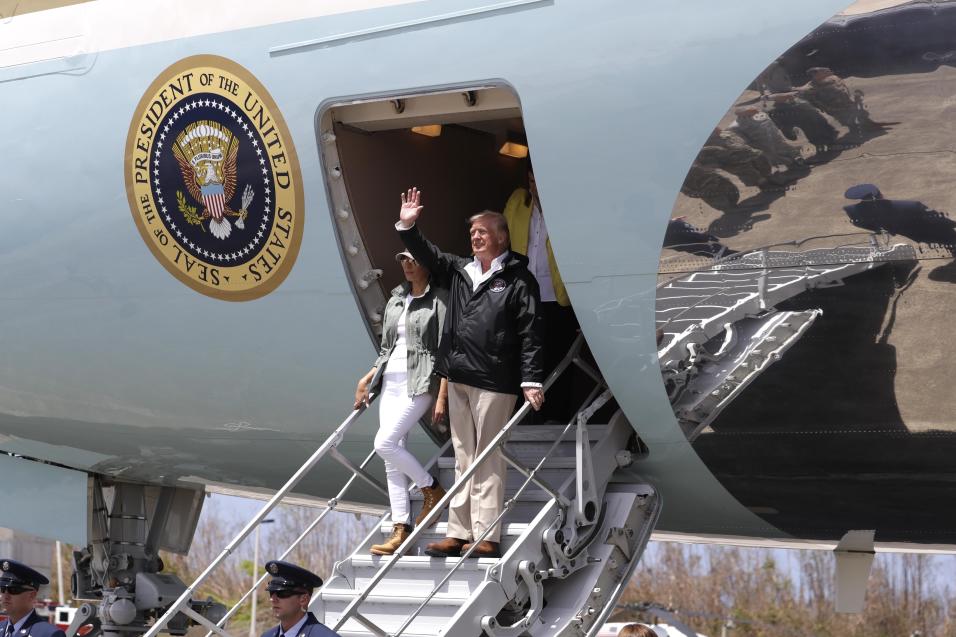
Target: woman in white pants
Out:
[404,376]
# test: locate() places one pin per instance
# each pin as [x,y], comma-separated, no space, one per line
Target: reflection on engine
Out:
[806,281]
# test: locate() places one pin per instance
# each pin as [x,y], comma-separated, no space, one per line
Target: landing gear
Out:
[120,571]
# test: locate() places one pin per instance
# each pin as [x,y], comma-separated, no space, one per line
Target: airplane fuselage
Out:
[125,354]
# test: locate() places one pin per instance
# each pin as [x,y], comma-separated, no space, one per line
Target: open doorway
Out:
[465,149]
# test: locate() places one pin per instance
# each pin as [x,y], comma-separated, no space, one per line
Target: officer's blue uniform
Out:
[13,573]
[289,577]
[312,628]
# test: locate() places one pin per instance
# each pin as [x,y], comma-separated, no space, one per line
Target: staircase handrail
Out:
[351,611]
[182,602]
[331,505]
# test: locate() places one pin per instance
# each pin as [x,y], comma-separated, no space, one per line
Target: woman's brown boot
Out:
[399,534]
[432,495]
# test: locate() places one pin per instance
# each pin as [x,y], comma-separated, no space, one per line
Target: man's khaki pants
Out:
[477,415]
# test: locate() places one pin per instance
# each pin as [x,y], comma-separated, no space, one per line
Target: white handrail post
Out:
[255,577]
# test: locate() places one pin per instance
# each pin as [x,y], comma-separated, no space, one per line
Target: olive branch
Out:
[189,212]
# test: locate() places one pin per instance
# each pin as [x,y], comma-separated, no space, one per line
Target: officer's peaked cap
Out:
[289,577]
[14,573]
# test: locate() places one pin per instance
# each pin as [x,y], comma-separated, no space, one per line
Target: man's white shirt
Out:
[477,276]
[538,261]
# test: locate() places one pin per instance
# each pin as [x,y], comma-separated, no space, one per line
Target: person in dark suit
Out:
[290,591]
[18,595]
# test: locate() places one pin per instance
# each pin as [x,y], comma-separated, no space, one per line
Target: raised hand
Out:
[411,206]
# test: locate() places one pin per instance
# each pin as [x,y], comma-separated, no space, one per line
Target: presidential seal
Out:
[213,180]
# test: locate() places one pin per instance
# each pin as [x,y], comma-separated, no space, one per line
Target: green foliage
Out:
[189,212]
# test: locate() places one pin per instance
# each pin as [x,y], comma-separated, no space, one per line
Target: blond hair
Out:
[498,221]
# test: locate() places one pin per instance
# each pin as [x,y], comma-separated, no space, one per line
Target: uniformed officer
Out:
[18,594]
[290,591]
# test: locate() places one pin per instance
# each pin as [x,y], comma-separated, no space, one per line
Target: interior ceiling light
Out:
[514,149]
[515,145]
[429,130]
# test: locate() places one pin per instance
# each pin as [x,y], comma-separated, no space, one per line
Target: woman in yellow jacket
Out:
[522,211]
[529,236]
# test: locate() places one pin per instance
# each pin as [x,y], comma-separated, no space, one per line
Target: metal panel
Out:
[43,500]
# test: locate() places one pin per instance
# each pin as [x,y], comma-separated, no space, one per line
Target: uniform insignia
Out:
[6,565]
[274,568]
[498,285]
[213,180]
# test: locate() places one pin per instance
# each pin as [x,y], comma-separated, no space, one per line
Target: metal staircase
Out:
[571,538]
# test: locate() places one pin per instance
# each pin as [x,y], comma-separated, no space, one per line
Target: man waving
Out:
[490,352]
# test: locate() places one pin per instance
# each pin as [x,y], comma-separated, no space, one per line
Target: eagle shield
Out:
[207,154]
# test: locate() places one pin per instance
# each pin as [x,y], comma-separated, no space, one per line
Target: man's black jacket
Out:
[491,338]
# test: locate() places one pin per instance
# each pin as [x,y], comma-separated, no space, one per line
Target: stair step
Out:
[513,480]
[537,433]
[458,587]
[424,562]
[390,612]
[532,493]
[551,475]
[440,530]
[521,511]
[566,463]
[398,598]
[510,533]
[413,577]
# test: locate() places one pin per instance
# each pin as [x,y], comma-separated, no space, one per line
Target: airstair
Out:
[573,531]
[719,328]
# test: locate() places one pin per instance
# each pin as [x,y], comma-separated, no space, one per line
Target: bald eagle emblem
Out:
[207,154]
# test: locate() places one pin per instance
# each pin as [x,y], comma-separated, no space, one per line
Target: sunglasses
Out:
[284,594]
[403,258]
[15,590]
